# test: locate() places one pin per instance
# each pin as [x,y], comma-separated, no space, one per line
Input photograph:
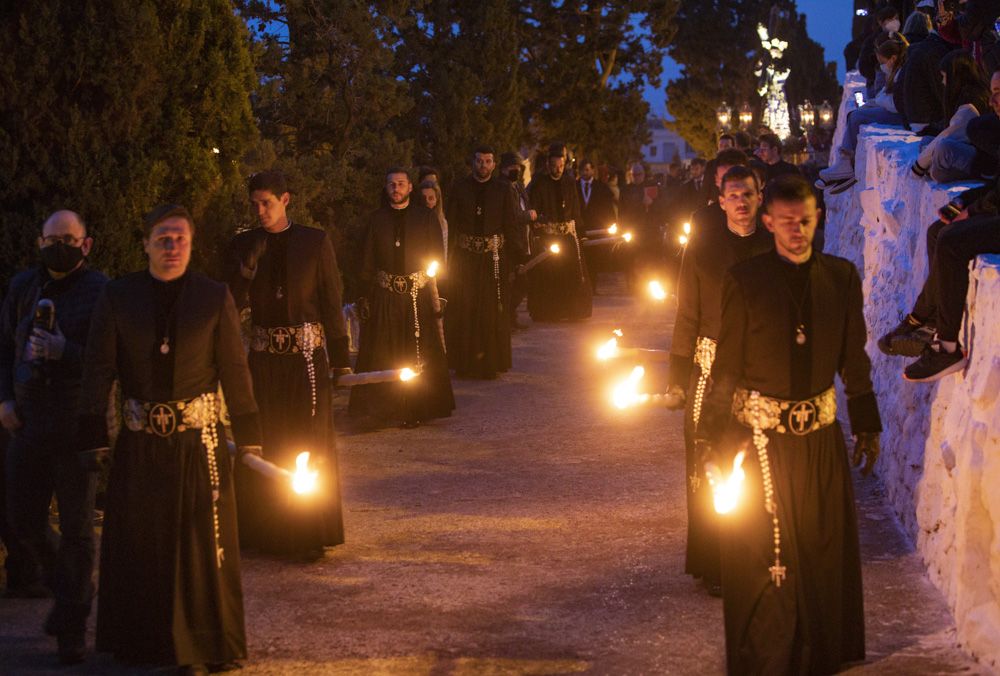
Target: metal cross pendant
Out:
[777,573]
[695,481]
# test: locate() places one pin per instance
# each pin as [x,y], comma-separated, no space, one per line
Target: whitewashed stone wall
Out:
[941,445]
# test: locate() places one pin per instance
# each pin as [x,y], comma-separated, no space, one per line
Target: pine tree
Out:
[587,65]
[113,107]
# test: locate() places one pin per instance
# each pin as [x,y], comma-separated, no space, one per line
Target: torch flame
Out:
[555,248]
[657,291]
[683,239]
[627,237]
[687,228]
[618,332]
[726,492]
[613,230]
[626,393]
[432,269]
[304,480]
[608,350]
[407,374]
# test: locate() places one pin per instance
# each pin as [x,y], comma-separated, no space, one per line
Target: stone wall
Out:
[941,446]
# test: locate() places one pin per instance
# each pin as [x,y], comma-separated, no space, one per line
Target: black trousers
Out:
[925,309]
[38,466]
[958,244]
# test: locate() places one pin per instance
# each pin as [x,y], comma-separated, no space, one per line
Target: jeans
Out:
[37,465]
[925,309]
[952,161]
[867,115]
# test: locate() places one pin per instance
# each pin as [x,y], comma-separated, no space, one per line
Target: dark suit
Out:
[598,209]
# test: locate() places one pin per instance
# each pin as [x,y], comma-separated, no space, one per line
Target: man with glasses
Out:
[43,331]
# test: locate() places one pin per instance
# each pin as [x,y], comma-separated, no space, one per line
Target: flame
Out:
[626,393]
[657,291]
[407,374]
[726,492]
[555,248]
[432,269]
[613,230]
[304,480]
[683,239]
[618,332]
[687,228]
[608,350]
[627,237]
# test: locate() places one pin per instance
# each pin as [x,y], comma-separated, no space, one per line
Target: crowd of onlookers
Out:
[934,68]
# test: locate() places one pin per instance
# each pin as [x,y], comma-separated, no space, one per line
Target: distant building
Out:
[664,146]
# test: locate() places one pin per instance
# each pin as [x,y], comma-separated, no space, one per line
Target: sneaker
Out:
[935,364]
[842,186]
[908,339]
[841,169]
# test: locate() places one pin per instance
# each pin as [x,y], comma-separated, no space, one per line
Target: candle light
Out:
[726,491]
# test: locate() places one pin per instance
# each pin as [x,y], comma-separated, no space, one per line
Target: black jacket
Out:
[923,92]
[74,297]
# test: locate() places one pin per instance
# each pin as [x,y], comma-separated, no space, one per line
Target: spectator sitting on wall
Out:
[968,226]
[923,103]
[950,155]
[868,63]
[883,109]
[769,152]
[917,27]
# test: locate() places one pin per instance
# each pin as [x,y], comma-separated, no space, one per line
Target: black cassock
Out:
[714,248]
[482,234]
[297,281]
[163,596]
[558,288]
[399,247]
[813,622]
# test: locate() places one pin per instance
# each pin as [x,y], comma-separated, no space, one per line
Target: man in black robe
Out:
[40,377]
[399,328]
[287,275]
[558,288]
[638,211]
[769,150]
[598,212]
[791,570]
[482,231]
[170,562]
[709,215]
[706,260]
[512,170]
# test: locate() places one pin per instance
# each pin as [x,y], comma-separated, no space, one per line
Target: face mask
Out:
[60,257]
[891,26]
[886,68]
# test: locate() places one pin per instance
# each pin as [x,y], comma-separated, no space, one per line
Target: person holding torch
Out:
[706,260]
[791,568]
[287,275]
[169,588]
[402,254]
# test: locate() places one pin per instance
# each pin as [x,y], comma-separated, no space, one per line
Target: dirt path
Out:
[535,532]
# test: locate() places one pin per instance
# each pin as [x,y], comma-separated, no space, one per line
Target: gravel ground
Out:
[535,532]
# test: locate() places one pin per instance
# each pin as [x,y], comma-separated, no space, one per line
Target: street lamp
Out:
[807,115]
[725,115]
[826,115]
[746,115]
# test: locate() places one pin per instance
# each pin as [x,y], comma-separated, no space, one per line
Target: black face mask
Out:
[60,257]
[513,175]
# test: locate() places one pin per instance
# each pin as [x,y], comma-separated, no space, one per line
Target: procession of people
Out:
[442,275]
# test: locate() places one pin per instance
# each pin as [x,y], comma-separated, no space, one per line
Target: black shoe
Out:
[908,339]
[844,185]
[713,587]
[935,364]
[72,647]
